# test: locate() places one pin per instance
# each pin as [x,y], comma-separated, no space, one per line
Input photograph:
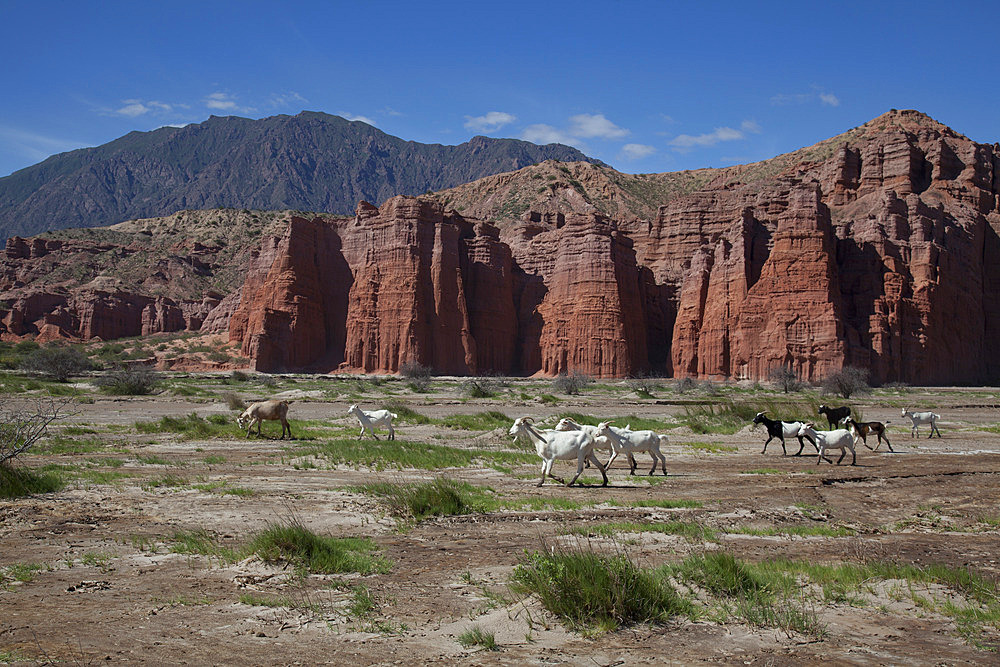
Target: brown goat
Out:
[266,410]
[863,429]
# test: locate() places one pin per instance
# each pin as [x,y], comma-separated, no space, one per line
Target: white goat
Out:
[840,438]
[629,441]
[919,418]
[369,420]
[563,445]
[567,424]
[265,410]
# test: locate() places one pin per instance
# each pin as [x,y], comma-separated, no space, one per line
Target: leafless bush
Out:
[785,377]
[571,383]
[481,387]
[413,369]
[129,380]
[848,381]
[21,428]
[232,399]
[685,385]
[643,385]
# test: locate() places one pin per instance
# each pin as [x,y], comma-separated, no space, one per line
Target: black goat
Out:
[865,428]
[834,415]
[779,430]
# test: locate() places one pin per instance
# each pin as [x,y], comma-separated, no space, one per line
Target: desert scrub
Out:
[593,592]
[129,381]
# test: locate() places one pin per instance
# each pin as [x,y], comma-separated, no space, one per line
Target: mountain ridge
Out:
[311,161]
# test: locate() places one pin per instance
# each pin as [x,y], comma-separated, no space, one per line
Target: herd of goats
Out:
[570,441]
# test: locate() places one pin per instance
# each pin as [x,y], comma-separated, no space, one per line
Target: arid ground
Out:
[140,557]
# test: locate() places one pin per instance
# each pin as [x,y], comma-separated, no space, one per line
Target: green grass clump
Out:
[16,482]
[476,636]
[632,421]
[758,596]
[592,592]
[407,414]
[192,427]
[482,421]
[440,497]
[729,416]
[381,454]
[293,543]
[762,471]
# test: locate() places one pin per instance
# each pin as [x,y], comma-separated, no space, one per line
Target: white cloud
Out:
[133,108]
[545,134]
[491,122]
[816,95]
[225,102]
[829,99]
[589,126]
[352,117]
[286,99]
[636,151]
[685,142]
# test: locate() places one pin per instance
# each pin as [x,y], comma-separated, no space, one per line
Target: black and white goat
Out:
[781,430]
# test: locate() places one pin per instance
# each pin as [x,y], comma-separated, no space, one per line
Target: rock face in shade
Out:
[878,248]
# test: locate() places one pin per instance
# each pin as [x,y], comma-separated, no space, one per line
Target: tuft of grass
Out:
[191,427]
[476,636]
[167,481]
[440,497]
[23,572]
[757,596]
[17,482]
[762,471]
[291,542]
[407,414]
[481,421]
[593,592]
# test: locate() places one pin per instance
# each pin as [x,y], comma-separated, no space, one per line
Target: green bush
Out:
[56,362]
[592,591]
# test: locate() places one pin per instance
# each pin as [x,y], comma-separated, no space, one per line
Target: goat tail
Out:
[664,440]
[394,415]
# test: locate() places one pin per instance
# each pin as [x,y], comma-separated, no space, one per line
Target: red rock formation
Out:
[878,248]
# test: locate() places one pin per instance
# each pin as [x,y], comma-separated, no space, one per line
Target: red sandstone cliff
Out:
[878,248]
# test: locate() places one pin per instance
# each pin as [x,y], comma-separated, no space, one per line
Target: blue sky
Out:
[644,86]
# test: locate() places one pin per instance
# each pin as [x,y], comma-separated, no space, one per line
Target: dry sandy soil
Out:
[108,588]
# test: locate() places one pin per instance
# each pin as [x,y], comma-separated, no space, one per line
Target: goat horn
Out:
[528,419]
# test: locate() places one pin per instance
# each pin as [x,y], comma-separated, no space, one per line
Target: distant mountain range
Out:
[312,161]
